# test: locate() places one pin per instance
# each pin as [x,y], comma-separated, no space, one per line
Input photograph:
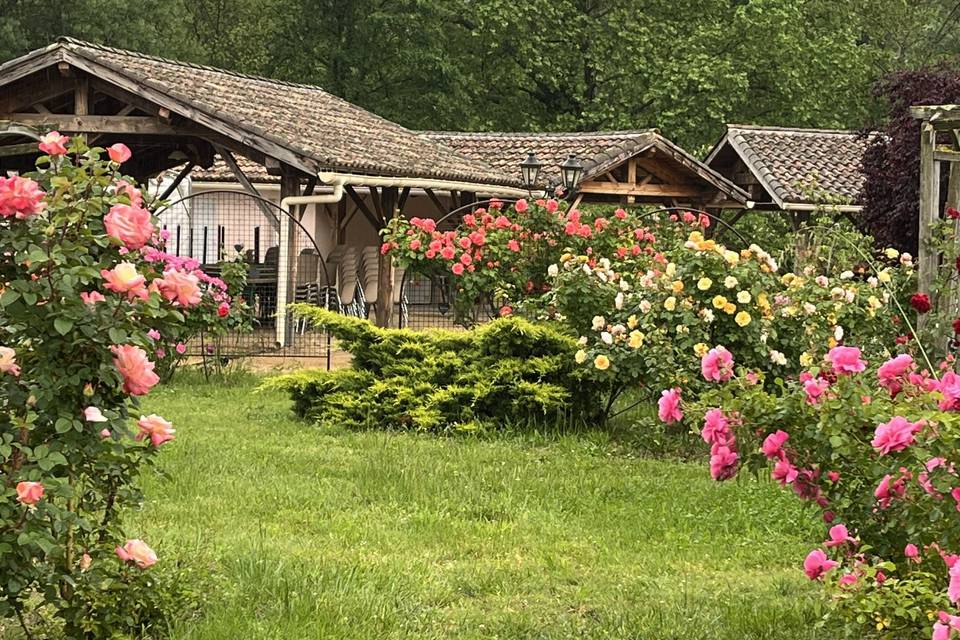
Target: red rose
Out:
[953,213]
[223,310]
[920,302]
[956,326]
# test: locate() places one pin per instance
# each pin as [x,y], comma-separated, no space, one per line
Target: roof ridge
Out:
[793,130]
[182,63]
[539,134]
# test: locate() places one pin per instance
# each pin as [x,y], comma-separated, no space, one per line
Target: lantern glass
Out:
[530,171]
[570,172]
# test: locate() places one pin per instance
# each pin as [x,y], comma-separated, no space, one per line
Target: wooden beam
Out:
[387,269]
[248,186]
[364,209]
[81,97]
[24,149]
[929,209]
[64,68]
[436,201]
[176,181]
[945,155]
[137,125]
[307,191]
[631,177]
[576,202]
[272,165]
[375,198]
[404,194]
[39,108]
[652,190]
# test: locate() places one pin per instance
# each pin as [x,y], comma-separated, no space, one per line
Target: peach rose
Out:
[124,278]
[29,492]
[138,552]
[119,152]
[54,144]
[156,428]
[179,287]
[136,369]
[8,361]
[129,224]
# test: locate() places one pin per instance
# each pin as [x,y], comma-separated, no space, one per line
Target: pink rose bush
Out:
[83,281]
[874,447]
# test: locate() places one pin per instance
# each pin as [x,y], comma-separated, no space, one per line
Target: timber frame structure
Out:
[939,143]
[173,114]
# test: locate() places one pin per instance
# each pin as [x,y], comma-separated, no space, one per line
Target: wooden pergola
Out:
[173,114]
[939,143]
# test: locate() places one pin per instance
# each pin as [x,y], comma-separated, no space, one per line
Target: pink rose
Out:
[716,427]
[669,406]
[181,348]
[179,287]
[457,269]
[911,552]
[29,492]
[135,368]
[8,361]
[129,224]
[846,360]
[552,205]
[815,388]
[155,428]
[949,387]
[125,188]
[138,552]
[105,433]
[153,334]
[93,414]
[119,153]
[415,245]
[717,365]
[892,371]
[723,462]
[54,144]
[953,590]
[513,245]
[91,297]
[124,278]
[838,536]
[816,564]
[784,472]
[895,435]
[20,198]
[223,310]
[521,205]
[773,444]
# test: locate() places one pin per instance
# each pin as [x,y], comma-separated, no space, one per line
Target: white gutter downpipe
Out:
[339,180]
[283,260]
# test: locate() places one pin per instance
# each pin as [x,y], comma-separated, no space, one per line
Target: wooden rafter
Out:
[647,190]
[436,201]
[248,186]
[141,125]
[177,180]
[364,209]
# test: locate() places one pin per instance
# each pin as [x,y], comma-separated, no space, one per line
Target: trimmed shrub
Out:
[506,373]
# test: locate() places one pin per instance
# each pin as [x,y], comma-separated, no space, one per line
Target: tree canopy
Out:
[684,66]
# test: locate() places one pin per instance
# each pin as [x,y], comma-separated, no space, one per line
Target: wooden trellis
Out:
[939,142]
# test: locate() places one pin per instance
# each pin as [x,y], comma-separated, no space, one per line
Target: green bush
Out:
[509,372]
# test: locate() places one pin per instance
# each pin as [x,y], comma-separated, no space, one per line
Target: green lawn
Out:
[330,534]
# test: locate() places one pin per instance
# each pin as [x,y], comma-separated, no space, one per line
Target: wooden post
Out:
[81,97]
[387,270]
[929,208]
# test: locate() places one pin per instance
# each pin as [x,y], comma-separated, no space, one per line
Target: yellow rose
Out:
[884,276]
[670,303]
[700,349]
[732,257]
[744,297]
[719,302]
[566,257]
[671,270]
[762,301]
[729,308]
[636,340]
[730,282]
[677,286]
[580,356]
[787,278]
[601,362]
[832,342]
[704,283]
[695,236]
[632,322]
[743,318]
[806,359]
[892,253]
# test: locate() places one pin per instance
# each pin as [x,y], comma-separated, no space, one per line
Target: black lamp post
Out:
[530,171]
[570,172]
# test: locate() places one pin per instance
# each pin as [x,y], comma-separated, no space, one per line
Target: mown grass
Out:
[312,533]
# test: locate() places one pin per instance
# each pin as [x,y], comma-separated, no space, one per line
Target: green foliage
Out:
[507,372]
[500,65]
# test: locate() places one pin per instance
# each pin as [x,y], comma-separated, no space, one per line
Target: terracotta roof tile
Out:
[338,135]
[789,162]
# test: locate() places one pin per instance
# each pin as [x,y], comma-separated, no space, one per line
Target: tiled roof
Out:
[795,164]
[220,172]
[329,131]
[599,151]
[505,151]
